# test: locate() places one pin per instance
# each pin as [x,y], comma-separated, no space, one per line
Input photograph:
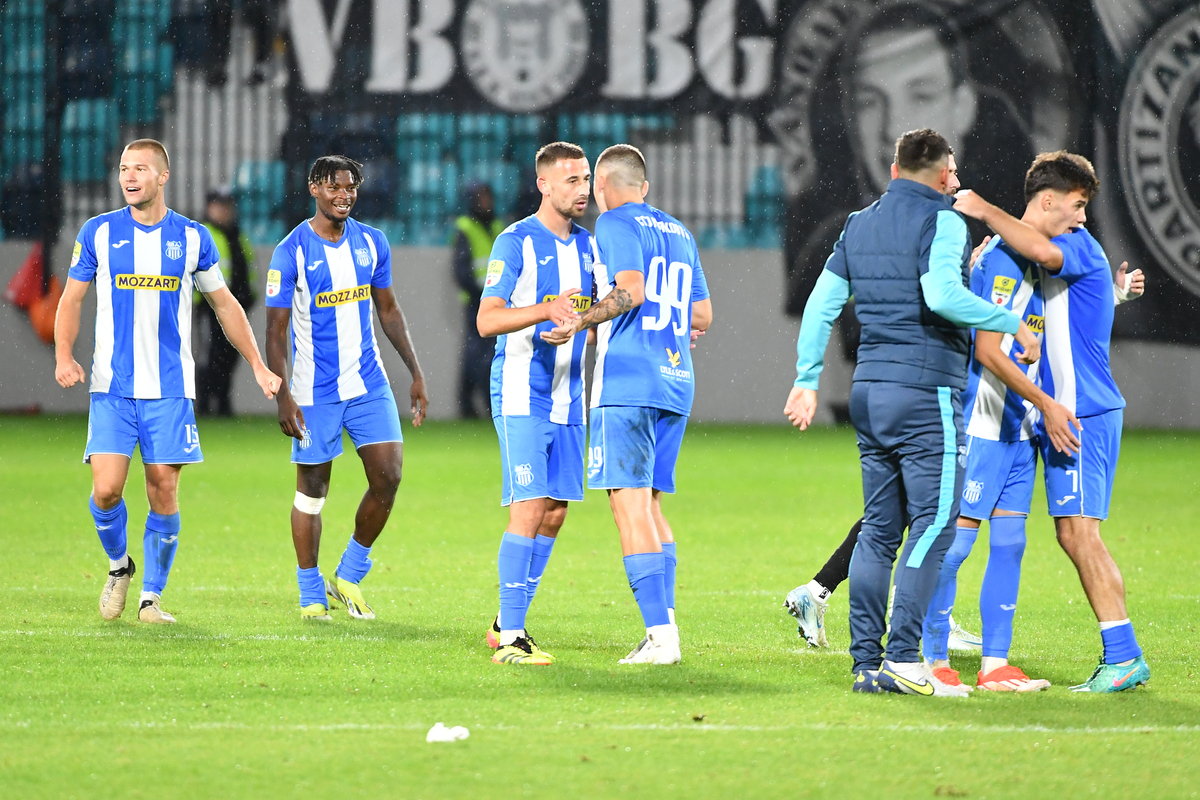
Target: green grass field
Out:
[239,699]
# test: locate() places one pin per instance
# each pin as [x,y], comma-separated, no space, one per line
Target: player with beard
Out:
[326,278]
[535,274]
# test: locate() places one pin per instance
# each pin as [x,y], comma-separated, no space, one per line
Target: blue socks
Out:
[1119,642]
[668,550]
[312,586]
[355,563]
[159,543]
[937,619]
[542,547]
[1001,579]
[645,572]
[110,526]
[516,554]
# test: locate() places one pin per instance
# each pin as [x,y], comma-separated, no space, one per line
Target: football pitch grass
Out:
[240,699]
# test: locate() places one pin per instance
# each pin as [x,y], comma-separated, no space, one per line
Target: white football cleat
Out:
[809,612]
[915,678]
[152,613]
[962,640]
[661,646]
[112,599]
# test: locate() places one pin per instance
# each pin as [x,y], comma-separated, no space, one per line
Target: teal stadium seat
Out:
[89,133]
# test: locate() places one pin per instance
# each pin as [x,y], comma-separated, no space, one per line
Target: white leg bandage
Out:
[308,505]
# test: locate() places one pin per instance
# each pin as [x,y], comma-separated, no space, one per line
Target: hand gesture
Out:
[1032,348]
[1057,419]
[979,249]
[420,401]
[291,418]
[561,310]
[696,335]
[1134,283]
[268,381]
[801,406]
[969,203]
[561,334]
[69,373]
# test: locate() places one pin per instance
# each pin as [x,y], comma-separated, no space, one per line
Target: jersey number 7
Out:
[670,288]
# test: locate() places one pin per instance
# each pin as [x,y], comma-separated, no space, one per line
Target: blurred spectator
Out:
[215,378]
[472,245]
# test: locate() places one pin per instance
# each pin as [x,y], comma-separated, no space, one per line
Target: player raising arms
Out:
[535,273]
[652,295]
[1079,298]
[326,277]
[144,260]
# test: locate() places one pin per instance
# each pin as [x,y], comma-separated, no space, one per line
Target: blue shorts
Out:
[164,429]
[999,476]
[631,447]
[1081,485]
[370,418]
[539,458]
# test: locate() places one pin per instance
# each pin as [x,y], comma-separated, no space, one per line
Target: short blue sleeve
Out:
[1078,256]
[209,256]
[699,283]
[381,278]
[996,276]
[83,257]
[620,244]
[281,277]
[504,267]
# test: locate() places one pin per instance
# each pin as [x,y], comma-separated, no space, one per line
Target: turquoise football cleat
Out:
[1116,678]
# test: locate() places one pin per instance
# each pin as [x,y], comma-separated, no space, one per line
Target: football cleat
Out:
[916,679]
[1010,679]
[809,612]
[867,682]
[343,591]
[949,677]
[660,647]
[1116,678]
[112,599]
[493,634]
[152,612]
[521,651]
[315,613]
[962,640]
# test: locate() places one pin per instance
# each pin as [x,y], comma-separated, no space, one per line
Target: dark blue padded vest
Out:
[887,251]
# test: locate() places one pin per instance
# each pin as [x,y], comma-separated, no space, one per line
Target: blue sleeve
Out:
[620,245]
[281,276]
[504,267]
[381,278]
[699,282]
[83,257]
[826,302]
[942,286]
[1077,256]
[209,256]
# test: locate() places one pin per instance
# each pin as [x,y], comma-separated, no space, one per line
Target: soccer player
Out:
[535,274]
[1077,284]
[326,278]
[807,603]
[905,259]
[652,295]
[144,260]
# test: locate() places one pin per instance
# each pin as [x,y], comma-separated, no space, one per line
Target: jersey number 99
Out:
[671,289]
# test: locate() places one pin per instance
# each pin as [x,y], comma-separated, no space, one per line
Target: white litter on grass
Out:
[440,733]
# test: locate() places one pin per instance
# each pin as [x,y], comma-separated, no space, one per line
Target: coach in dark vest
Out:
[905,260]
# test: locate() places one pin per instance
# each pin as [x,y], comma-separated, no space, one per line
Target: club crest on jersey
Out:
[1002,289]
[586,258]
[158,283]
[343,296]
[174,250]
[363,256]
[973,491]
[524,474]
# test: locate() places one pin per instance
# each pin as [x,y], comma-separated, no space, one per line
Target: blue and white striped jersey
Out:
[990,409]
[530,265]
[644,356]
[144,280]
[1079,316]
[335,355]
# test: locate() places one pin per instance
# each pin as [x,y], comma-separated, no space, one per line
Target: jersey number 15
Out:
[670,287]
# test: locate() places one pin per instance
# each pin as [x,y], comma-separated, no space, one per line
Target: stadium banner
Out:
[829,85]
